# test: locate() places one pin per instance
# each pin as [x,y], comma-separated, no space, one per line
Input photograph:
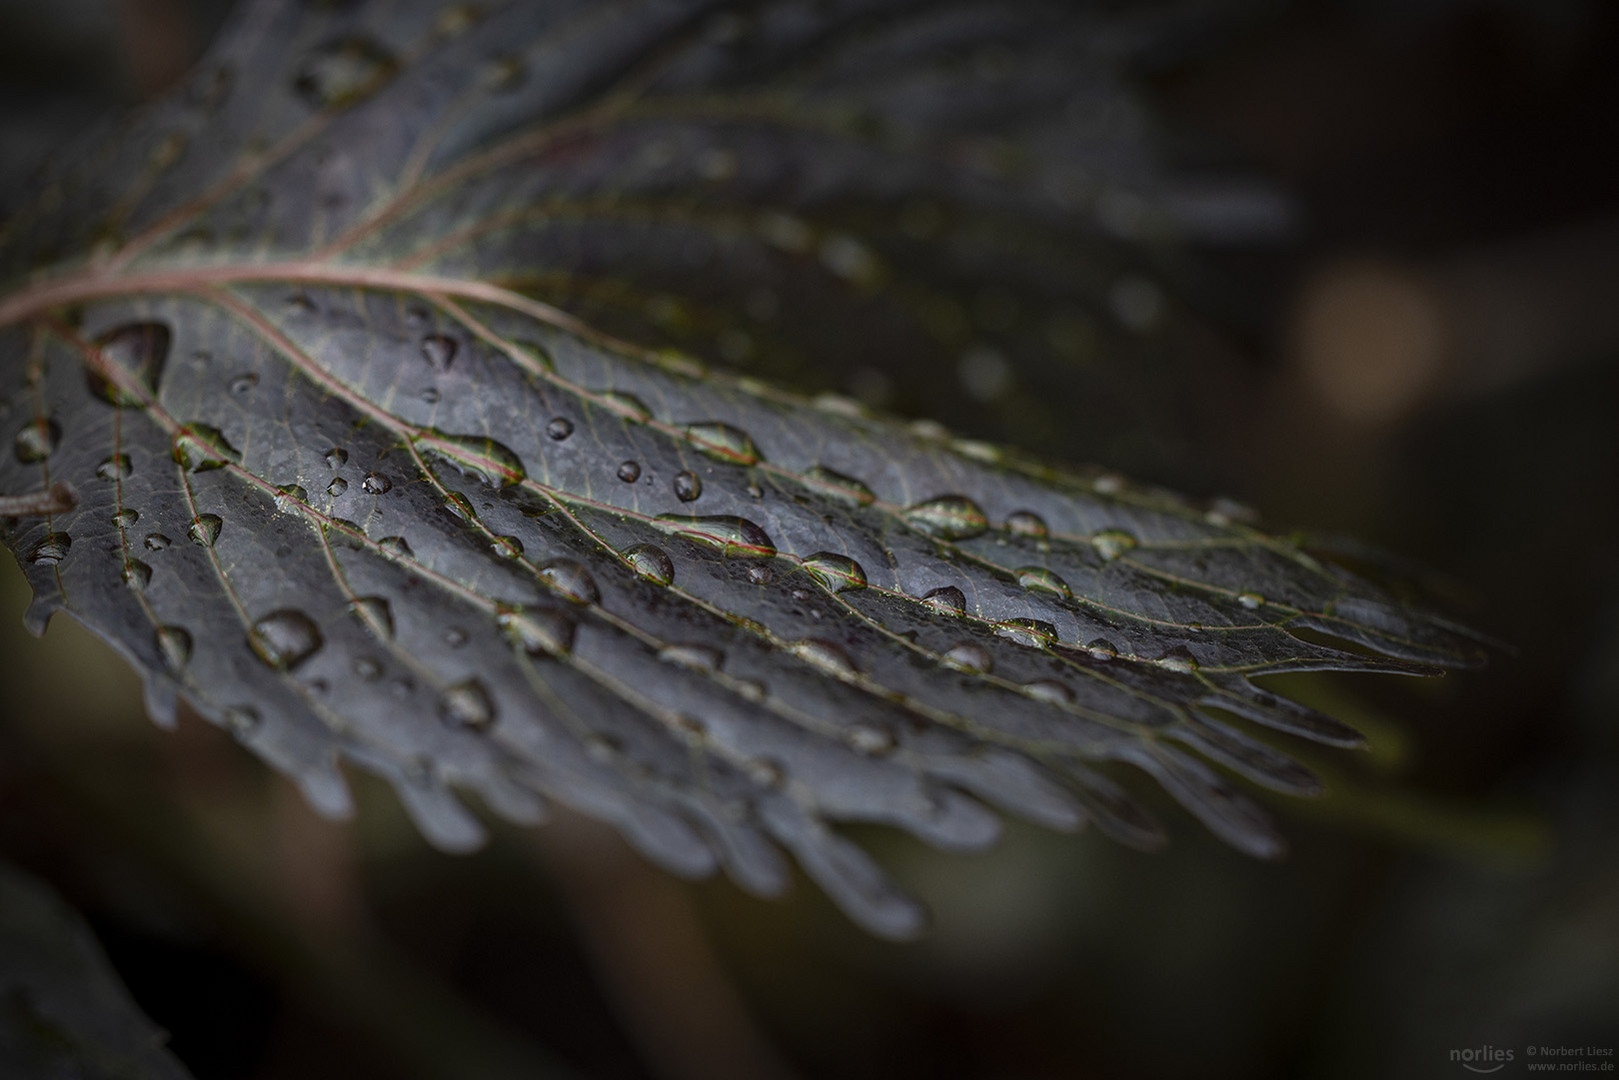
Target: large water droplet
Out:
[336,457]
[117,467]
[51,550]
[174,645]
[376,484]
[735,537]
[629,471]
[1180,660]
[651,563]
[397,546]
[473,455]
[537,631]
[337,487]
[375,614]
[1030,633]
[137,575]
[291,499]
[723,442]
[1049,691]
[571,580]
[836,573]
[1102,649]
[971,657]
[687,486]
[460,506]
[626,405]
[200,447]
[947,600]
[845,489]
[342,72]
[37,440]
[825,655]
[467,705]
[136,352]
[157,542]
[695,657]
[949,517]
[126,518]
[204,529]
[1111,543]
[1039,579]
[1251,600]
[284,639]
[1027,523]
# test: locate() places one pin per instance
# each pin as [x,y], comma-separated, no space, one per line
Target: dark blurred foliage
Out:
[1425,361]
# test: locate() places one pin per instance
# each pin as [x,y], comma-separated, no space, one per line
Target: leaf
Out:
[324,347]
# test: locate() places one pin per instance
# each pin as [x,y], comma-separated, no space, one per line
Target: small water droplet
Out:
[687,486]
[971,657]
[376,484]
[174,645]
[343,72]
[460,506]
[244,382]
[871,740]
[200,447]
[695,657]
[1111,543]
[949,517]
[429,396]
[629,471]
[836,573]
[537,631]
[337,487]
[506,547]
[367,669]
[204,529]
[396,546]
[571,580]
[133,354]
[482,459]
[1030,633]
[375,614]
[37,440]
[126,518]
[1026,523]
[1047,690]
[51,550]
[1180,661]
[723,443]
[825,655]
[1102,649]
[291,499]
[1039,579]
[753,691]
[1251,600]
[735,537]
[439,351]
[284,639]
[651,563]
[559,428]
[336,457]
[761,575]
[467,705]
[626,405]
[157,542]
[947,600]
[845,489]
[137,575]
[117,467]
[455,637]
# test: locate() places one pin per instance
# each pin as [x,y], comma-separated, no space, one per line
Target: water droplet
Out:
[626,405]
[723,443]
[1030,633]
[836,573]
[687,486]
[375,614]
[1102,649]
[1251,600]
[734,536]
[460,506]
[1111,543]
[755,491]
[367,668]
[467,705]
[51,550]
[200,447]
[1047,690]
[871,740]
[845,489]
[823,654]
[336,457]
[291,499]
[126,518]
[1026,523]
[537,631]
[761,575]
[174,645]
[157,542]
[284,639]
[949,517]
[695,657]
[971,657]
[651,563]
[629,471]
[137,575]
[482,459]
[117,467]
[455,637]
[342,72]
[204,529]
[396,546]
[559,428]
[506,547]
[376,484]
[133,355]
[571,580]
[429,396]
[243,383]
[337,487]
[37,440]
[1180,661]
[1039,579]
[946,601]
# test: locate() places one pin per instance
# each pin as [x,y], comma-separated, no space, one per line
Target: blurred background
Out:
[1417,349]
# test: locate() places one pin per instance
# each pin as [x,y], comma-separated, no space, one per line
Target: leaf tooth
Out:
[849,876]
[1258,762]
[1010,781]
[1117,814]
[1284,714]
[1220,807]
[438,814]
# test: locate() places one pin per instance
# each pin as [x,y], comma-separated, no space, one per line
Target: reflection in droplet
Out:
[629,471]
[337,487]
[336,458]
[1180,661]
[1251,600]
[460,506]
[559,428]
[971,657]
[687,486]
[375,614]
[735,537]
[291,499]
[37,440]
[1039,579]
[695,657]
[137,575]
[761,574]
[1027,523]
[397,546]
[651,563]
[376,484]
[174,645]
[284,639]
[825,655]
[537,631]
[571,580]
[439,351]
[949,517]
[1047,690]
[1030,633]
[467,705]
[243,383]
[204,529]
[342,72]
[723,442]
[126,518]
[157,542]
[1102,649]
[200,447]
[117,467]
[1111,543]
[505,547]
[946,601]
[50,550]
[137,352]
[475,456]
[836,573]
